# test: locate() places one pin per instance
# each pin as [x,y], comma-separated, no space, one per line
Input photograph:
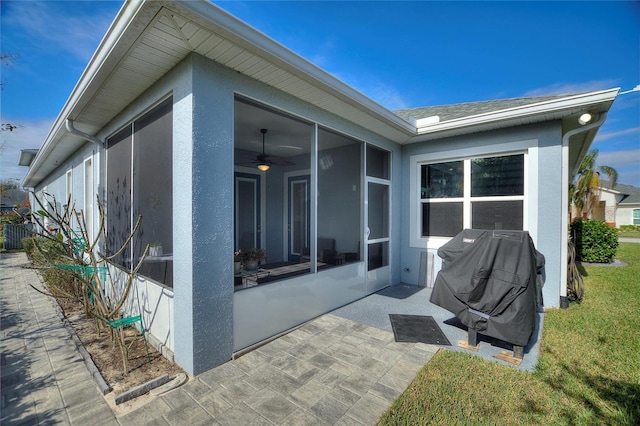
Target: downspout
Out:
[565,203]
[83,135]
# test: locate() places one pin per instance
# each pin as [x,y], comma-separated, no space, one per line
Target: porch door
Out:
[247,211]
[377,235]
[299,216]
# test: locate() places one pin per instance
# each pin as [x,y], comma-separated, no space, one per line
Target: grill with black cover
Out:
[491,280]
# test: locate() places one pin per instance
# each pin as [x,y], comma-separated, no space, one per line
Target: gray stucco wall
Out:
[205,304]
[545,201]
[208,297]
[550,210]
[56,182]
[203,95]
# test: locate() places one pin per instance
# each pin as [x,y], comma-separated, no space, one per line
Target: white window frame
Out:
[88,178]
[530,205]
[69,186]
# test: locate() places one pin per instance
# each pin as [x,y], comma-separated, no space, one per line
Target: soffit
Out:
[149,39]
[180,28]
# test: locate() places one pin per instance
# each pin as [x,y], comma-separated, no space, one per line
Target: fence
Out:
[13,235]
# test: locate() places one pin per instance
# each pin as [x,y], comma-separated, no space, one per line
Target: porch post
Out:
[203,305]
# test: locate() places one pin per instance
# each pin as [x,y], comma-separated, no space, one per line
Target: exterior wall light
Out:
[585,118]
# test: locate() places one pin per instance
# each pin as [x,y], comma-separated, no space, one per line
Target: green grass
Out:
[588,372]
[629,234]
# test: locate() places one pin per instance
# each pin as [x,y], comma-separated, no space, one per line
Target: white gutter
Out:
[545,107]
[109,42]
[564,240]
[83,135]
[250,38]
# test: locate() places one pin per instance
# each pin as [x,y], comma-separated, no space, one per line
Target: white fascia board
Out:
[610,190]
[545,107]
[122,21]
[254,40]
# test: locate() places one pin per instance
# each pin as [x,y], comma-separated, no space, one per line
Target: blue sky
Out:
[400,54]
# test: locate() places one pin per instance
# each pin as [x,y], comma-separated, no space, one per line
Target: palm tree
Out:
[585,189]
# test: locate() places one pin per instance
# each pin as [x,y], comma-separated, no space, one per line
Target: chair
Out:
[327,252]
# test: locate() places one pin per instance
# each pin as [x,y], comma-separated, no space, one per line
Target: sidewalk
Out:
[44,379]
[330,371]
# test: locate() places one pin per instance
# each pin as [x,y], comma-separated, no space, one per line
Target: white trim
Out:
[546,107]
[68,178]
[527,147]
[286,206]
[564,220]
[564,238]
[258,43]
[262,193]
[379,276]
[109,44]
[88,195]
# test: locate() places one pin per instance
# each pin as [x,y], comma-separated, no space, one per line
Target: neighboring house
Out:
[11,198]
[618,206]
[166,122]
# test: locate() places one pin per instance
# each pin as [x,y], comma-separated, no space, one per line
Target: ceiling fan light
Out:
[263,167]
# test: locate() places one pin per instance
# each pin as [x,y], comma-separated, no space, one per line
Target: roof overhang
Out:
[149,38]
[26,156]
[569,107]
[564,110]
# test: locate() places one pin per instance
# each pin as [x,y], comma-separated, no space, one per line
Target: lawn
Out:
[629,234]
[588,371]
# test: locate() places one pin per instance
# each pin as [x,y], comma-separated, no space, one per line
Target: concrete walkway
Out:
[43,377]
[629,240]
[331,371]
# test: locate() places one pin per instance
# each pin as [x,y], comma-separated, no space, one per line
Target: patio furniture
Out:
[327,252]
[250,278]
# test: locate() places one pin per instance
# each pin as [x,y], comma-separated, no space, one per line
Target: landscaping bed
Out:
[106,354]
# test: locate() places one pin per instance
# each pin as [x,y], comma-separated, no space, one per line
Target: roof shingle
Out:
[455,111]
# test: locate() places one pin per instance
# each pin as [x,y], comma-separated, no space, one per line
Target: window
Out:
[636,216]
[139,183]
[310,200]
[480,193]
[69,187]
[89,197]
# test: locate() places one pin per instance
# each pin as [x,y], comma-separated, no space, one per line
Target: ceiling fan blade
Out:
[278,160]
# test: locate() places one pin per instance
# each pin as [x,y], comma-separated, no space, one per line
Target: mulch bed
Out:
[106,354]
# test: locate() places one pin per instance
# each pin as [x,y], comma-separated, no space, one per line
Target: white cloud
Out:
[626,163]
[564,88]
[387,96]
[609,135]
[630,177]
[620,159]
[377,90]
[30,135]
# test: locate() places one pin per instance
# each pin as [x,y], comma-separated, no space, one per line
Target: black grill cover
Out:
[489,280]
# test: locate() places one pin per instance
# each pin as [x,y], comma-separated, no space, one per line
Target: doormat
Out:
[417,329]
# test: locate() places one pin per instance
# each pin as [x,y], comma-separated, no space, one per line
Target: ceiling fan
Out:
[263,161]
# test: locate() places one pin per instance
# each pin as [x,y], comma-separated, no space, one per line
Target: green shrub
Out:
[9,218]
[595,241]
[45,253]
[29,246]
[630,227]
